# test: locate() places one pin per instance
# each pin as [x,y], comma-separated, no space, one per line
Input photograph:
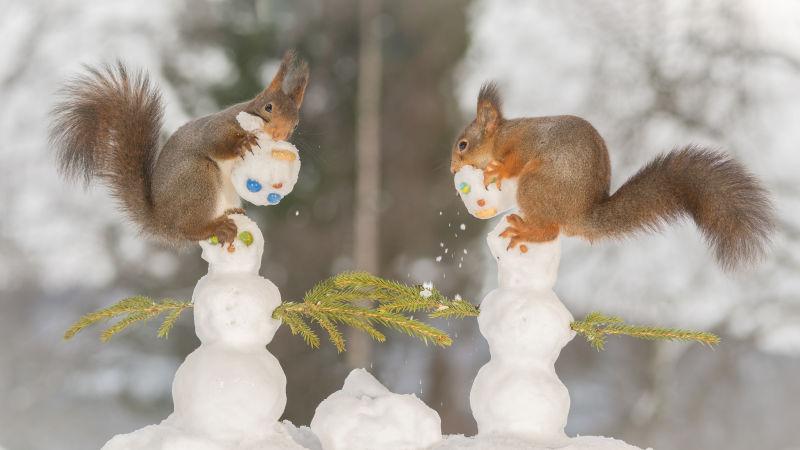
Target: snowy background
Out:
[649,75]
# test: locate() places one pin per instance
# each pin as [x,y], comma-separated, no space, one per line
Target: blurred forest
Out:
[650,76]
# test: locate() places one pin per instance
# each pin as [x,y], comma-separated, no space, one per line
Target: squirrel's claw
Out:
[230,211]
[246,142]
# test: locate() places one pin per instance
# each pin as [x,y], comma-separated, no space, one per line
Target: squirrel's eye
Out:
[253,185]
[268,107]
[462,145]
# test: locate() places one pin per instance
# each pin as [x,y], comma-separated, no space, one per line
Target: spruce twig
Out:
[337,300]
[332,302]
[596,326]
[133,309]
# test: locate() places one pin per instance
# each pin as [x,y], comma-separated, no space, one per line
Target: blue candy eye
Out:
[274,198]
[253,185]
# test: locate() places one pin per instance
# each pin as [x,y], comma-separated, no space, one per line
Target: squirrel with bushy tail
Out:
[563,172]
[108,124]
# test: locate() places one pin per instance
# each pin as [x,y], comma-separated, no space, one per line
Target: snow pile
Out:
[495,442]
[366,415]
[230,392]
[270,171]
[484,202]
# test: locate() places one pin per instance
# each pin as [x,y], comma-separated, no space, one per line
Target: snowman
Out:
[230,392]
[517,399]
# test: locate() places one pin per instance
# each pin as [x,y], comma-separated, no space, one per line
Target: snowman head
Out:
[481,201]
[269,171]
[243,255]
[536,267]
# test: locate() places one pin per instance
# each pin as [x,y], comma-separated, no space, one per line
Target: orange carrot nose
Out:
[481,202]
[277,185]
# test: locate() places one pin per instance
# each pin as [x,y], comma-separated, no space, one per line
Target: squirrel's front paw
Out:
[225,230]
[493,173]
[245,143]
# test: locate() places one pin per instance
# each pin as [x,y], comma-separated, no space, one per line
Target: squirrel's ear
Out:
[294,85]
[286,62]
[490,112]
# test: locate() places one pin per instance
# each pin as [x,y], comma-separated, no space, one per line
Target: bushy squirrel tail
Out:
[727,203]
[107,126]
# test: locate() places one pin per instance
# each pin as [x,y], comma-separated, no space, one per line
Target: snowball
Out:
[481,201]
[536,268]
[365,415]
[237,256]
[269,172]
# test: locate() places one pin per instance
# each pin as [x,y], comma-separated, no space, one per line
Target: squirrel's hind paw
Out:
[518,231]
[226,229]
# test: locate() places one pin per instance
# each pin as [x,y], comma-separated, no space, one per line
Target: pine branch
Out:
[596,326]
[338,300]
[134,309]
[332,302]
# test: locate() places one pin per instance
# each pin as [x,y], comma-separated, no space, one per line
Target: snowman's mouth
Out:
[486,213]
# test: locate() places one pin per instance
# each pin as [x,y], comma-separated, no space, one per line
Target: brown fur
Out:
[564,178]
[107,126]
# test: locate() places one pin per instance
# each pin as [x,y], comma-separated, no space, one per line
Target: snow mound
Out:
[458,442]
[481,201]
[269,172]
[168,436]
[364,414]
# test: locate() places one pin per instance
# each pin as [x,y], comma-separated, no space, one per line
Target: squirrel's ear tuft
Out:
[286,63]
[489,107]
[296,80]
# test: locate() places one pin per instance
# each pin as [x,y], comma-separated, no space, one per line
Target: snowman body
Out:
[230,392]
[517,393]
[231,386]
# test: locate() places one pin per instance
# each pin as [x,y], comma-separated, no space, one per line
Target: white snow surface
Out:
[230,392]
[269,172]
[495,442]
[484,202]
[366,415]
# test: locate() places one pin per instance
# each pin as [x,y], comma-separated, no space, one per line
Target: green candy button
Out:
[246,237]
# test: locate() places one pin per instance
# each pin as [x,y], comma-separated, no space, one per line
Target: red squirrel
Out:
[564,174]
[107,126]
